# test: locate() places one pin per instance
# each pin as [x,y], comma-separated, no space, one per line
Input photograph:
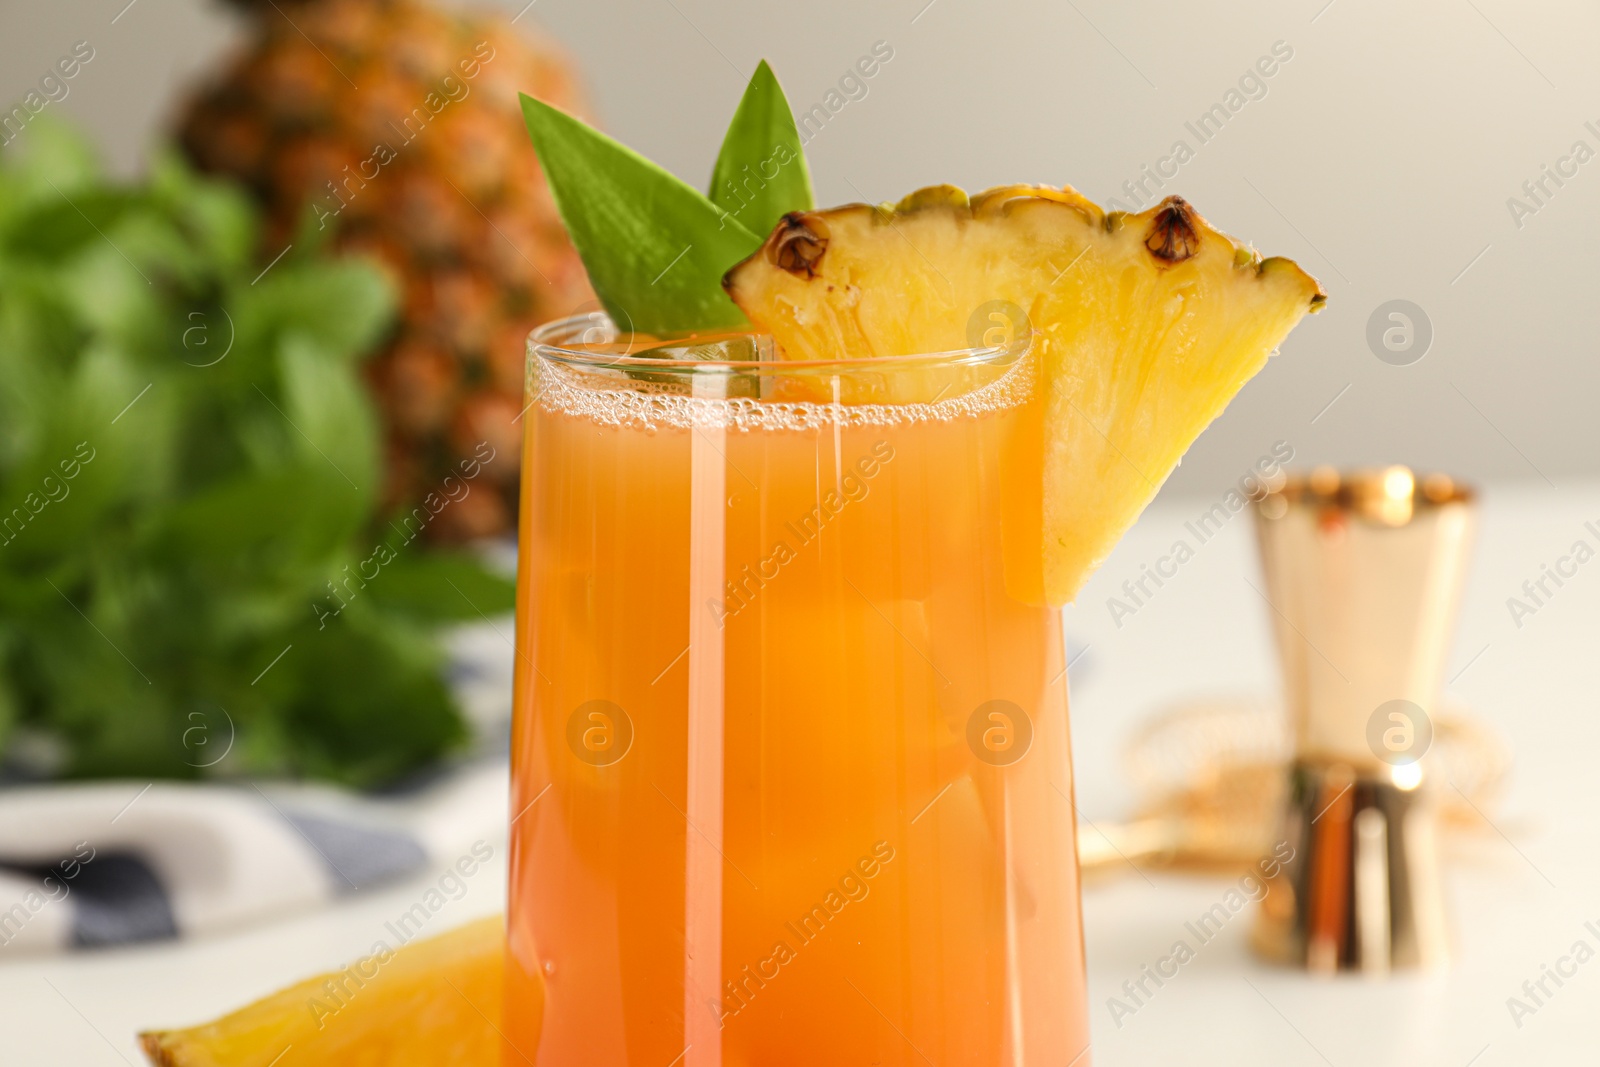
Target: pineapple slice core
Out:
[1146,326]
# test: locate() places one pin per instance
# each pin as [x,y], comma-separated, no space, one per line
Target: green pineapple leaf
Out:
[655,248]
[761,172]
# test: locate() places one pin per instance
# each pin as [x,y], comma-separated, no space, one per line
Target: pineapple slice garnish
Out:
[1146,326]
[434,1003]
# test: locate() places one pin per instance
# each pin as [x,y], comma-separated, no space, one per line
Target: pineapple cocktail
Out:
[791,774]
[797,760]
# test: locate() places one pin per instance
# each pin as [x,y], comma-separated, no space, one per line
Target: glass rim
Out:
[550,340]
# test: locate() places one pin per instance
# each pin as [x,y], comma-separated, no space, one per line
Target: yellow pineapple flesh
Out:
[435,1003]
[1145,326]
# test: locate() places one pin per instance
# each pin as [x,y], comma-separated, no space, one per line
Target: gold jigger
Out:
[1364,574]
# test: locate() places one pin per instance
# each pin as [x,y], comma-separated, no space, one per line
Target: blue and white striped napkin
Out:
[115,863]
[86,865]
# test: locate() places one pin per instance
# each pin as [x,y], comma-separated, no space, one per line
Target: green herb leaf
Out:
[443,585]
[184,554]
[655,247]
[761,172]
[332,420]
[345,305]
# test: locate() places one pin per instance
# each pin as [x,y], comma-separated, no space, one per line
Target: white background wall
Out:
[1381,157]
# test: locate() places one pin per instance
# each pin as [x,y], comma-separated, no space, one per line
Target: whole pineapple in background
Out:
[396,126]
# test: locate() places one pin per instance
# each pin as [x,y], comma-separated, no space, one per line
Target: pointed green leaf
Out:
[347,306]
[655,248]
[442,585]
[761,172]
[330,420]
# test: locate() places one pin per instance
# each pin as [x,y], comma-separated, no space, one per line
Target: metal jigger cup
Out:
[1364,572]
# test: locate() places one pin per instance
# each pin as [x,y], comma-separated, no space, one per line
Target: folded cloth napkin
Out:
[114,863]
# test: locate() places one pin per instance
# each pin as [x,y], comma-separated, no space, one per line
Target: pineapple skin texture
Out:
[436,180]
[1145,325]
[435,1003]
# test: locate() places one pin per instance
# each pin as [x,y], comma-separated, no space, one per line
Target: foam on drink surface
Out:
[611,397]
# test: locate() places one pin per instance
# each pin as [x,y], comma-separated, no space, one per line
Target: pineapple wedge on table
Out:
[1146,325]
[435,1003]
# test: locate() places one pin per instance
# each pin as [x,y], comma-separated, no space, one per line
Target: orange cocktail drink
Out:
[791,772]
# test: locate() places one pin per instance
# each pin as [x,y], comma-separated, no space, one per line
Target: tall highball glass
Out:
[791,774]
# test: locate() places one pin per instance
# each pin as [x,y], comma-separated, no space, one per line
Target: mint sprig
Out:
[655,247]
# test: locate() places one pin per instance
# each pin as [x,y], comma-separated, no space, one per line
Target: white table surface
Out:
[1520,891]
